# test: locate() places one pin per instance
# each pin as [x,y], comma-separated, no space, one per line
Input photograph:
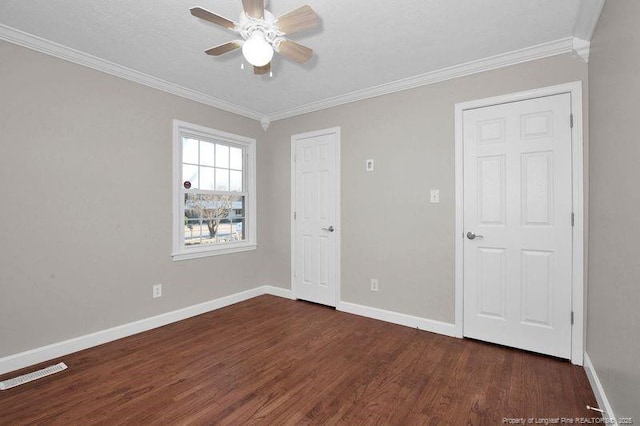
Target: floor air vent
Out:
[26,378]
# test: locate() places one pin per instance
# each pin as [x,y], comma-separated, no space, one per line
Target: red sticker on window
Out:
[187,184]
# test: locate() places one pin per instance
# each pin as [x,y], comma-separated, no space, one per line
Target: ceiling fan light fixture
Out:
[262,34]
[256,50]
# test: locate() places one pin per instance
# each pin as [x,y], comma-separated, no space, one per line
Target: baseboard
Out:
[598,390]
[278,291]
[56,350]
[398,318]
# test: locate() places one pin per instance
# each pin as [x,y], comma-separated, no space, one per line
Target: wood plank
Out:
[277,361]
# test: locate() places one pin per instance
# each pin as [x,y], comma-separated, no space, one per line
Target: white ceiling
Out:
[359,43]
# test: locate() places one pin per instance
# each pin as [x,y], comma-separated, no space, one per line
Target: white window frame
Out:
[180,251]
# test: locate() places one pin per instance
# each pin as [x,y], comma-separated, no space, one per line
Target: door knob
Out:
[472,236]
[329,229]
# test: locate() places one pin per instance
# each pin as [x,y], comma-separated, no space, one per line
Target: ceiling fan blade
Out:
[224,48]
[262,70]
[295,51]
[300,19]
[201,13]
[254,8]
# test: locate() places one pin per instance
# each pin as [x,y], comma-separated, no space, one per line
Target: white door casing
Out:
[315,225]
[517,199]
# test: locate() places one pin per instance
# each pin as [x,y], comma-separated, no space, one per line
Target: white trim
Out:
[598,391]
[587,19]
[398,318]
[39,44]
[200,252]
[545,50]
[285,293]
[575,89]
[292,217]
[579,329]
[338,232]
[180,252]
[540,51]
[55,350]
[582,48]
[59,349]
[338,220]
[265,123]
[459,227]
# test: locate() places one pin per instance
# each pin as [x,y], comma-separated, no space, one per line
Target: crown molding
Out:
[565,45]
[265,122]
[587,19]
[540,51]
[15,36]
[581,48]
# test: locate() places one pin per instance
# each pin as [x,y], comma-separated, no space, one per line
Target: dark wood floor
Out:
[276,361]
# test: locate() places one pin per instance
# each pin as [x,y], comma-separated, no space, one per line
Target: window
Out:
[214,192]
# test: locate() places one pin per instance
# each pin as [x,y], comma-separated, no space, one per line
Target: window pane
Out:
[236,216]
[222,179]
[222,156]
[235,181]
[209,231]
[235,155]
[215,206]
[190,200]
[225,233]
[206,178]
[191,206]
[191,220]
[190,173]
[189,151]
[238,230]
[207,153]
[237,207]
[209,208]
[192,232]
[212,218]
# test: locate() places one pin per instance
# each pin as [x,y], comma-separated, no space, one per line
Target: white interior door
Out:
[517,204]
[315,224]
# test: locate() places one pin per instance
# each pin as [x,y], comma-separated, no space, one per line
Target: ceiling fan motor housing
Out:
[267,26]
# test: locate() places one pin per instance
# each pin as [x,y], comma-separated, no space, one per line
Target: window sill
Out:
[213,251]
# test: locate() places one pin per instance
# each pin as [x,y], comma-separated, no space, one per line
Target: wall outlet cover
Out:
[434,197]
[157,290]
[374,284]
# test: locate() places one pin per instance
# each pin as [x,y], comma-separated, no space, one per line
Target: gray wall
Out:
[613,329]
[86,213]
[83,155]
[389,229]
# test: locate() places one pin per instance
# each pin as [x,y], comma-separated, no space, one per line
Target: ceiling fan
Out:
[263,34]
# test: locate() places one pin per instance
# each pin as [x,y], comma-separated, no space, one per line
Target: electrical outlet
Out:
[157,290]
[374,284]
[435,196]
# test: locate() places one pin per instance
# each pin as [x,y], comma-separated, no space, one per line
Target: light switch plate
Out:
[369,165]
[435,196]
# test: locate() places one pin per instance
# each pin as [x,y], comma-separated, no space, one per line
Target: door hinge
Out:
[295,215]
[571,120]
[571,317]
[573,219]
